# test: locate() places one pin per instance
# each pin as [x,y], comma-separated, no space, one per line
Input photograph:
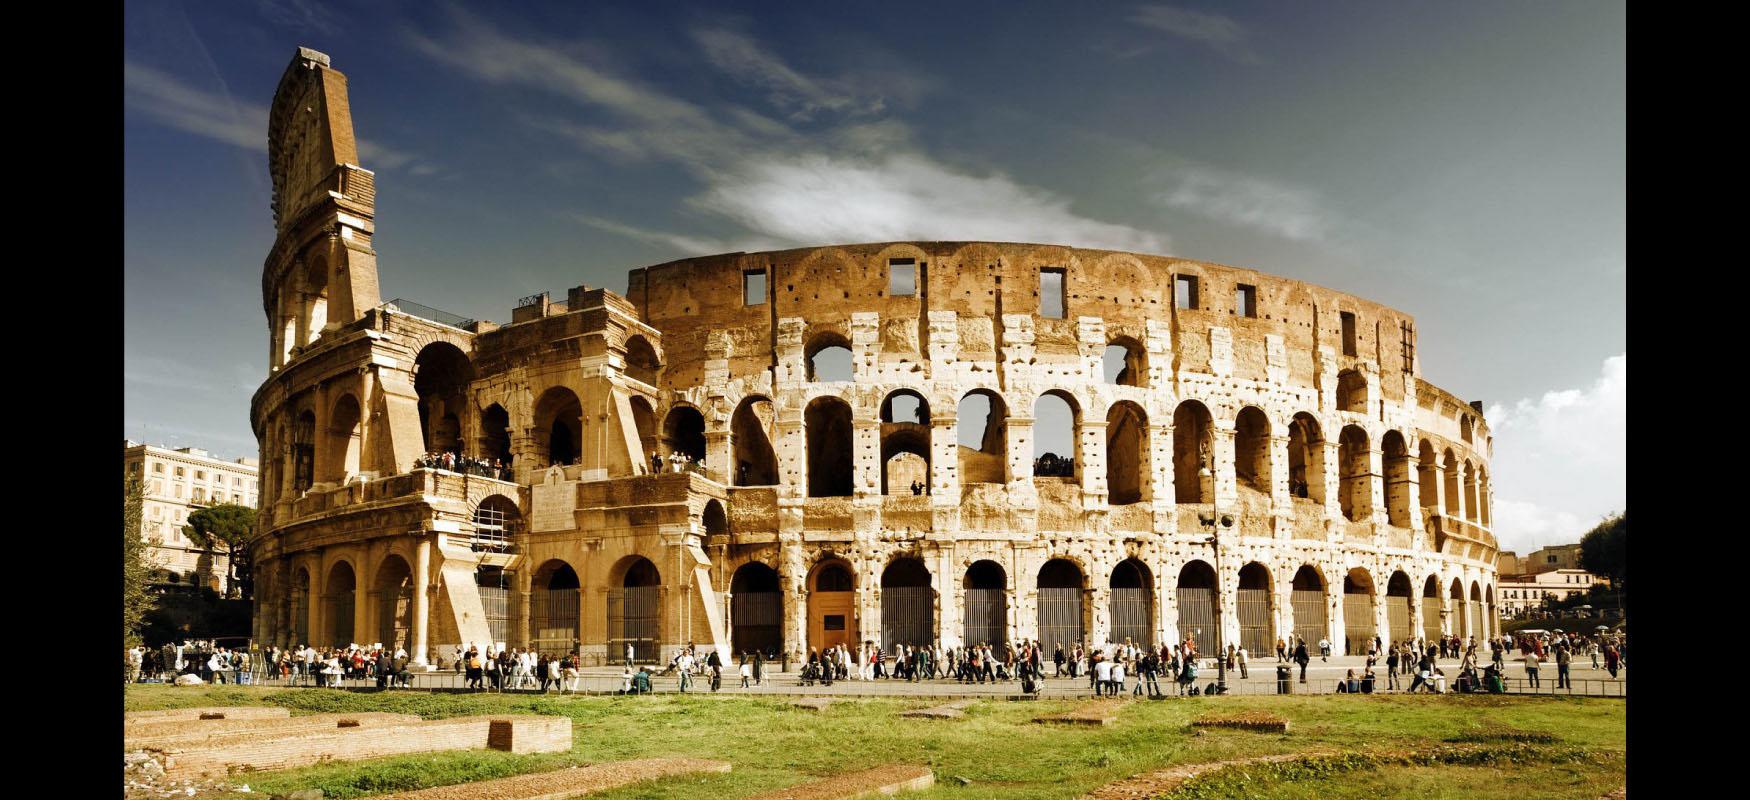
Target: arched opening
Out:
[714,519]
[1464,428]
[644,420]
[441,374]
[1132,603]
[303,452]
[496,520]
[392,596]
[345,440]
[559,425]
[313,300]
[1396,459]
[1197,618]
[1479,626]
[1461,625]
[635,610]
[987,605]
[1125,362]
[830,447]
[907,607]
[832,605]
[1452,480]
[1491,620]
[1397,608]
[1060,605]
[300,603]
[1431,609]
[1483,517]
[829,358]
[642,364]
[494,586]
[757,609]
[982,429]
[554,609]
[683,432]
[1355,493]
[1257,627]
[905,444]
[1252,450]
[495,434]
[1306,459]
[338,595]
[1055,419]
[1352,391]
[1307,596]
[1428,473]
[1470,491]
[1192,452]
[1359,626]
[756,464]
[1127,465]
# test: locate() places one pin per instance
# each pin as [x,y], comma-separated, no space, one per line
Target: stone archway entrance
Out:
[832,606]
[1060,605]
[907,608]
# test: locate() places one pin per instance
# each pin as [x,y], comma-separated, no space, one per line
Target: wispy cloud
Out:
[688,245]
[1218,32]
[301,14]
[1291,212]
[741,58]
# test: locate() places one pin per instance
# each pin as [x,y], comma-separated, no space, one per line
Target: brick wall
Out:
[254,752]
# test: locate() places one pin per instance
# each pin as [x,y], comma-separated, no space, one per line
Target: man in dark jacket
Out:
[1302,658]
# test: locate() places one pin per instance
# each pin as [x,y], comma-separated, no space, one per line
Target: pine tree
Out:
[226,528]
[136,570]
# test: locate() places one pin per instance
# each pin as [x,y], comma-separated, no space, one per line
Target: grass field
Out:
[996,747]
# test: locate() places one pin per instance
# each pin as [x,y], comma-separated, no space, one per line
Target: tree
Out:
[1604,550]
[227,528]
[137,602]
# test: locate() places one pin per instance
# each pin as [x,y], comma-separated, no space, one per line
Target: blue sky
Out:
[1463,162]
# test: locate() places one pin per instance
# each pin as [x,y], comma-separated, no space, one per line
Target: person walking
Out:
[1324,649]
[685,667]
[1391,669]
[1240,658]
[1562,660]
[1302,658]
[746,671]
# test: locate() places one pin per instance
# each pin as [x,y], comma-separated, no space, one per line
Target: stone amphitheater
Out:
[901,442]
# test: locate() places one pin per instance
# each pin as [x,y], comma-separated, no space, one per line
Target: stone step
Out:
[208,712]
[1159,782]
[883,780]
[566,783]
[297,748]
[193,733]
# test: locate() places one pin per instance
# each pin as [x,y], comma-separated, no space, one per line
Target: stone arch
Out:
[1479,626]
[1127,454]
[1306,458]
[441,376]
[496,522]
[1355,494]
[1450,463]
[495,434]
[313,295]
[984,448]
[1131,603]
[683,432]
[1464,428]
[1428,474]
[635,608]
[832,604]
[831,447]
[339,593]
[1255,607]
[1352,391]
[1431,608]
[642,362]
[905,442]
[1252,450]
[1398,591]
[1470,491]
[1061,584]
[714,519]
[559,426]
[1307,596]
[344,443]
[303,451]
[1461,625]
[1395,457]
[1198,620]
[1492,622]
[1124,362]
[1483,501]
[1056,415]
[828,357]
[986,617]
[300,607]
[1193,450]
[756,463]
[1359,625]
[392,600]
[494,583]
[757,611]
[554,608]
[907,604]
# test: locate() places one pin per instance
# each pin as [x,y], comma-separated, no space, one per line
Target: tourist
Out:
[1562,660]
[1531,669]
[1324,649]
[685,665]
[1240,659]
[1391,669]
[1301,658]
[746,671]
[1281,650]
[1349,685]
[1117,678]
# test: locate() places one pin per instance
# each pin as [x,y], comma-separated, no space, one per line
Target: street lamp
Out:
[1226,521]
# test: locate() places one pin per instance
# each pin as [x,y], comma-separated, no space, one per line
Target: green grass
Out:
[996,746]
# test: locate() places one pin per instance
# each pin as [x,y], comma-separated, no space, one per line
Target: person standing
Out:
[1531,668]
[685,667]
[1324,649]
[1241,658]
[1391,669]
[1562,660]
[1302,658]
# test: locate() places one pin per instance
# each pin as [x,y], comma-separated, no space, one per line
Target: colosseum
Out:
[786,450]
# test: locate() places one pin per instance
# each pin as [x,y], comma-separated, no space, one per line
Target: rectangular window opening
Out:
[1185,291]
[902,277]
[1246,300]
[1349,333]
[753,287]
[833,622]
[1052,303]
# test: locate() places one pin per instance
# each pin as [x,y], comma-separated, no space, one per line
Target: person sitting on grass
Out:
[641,681]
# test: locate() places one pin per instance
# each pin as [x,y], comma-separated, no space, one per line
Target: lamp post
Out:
[1216,521]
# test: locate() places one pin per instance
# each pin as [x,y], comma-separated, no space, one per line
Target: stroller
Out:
[810,674]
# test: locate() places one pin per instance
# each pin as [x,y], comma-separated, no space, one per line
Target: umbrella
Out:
[1602,628]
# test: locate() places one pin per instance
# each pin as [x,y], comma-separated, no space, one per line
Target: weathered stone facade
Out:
[1356,494]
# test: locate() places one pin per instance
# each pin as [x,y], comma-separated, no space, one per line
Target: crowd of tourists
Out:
[516,668]
[451,461]
[194,661]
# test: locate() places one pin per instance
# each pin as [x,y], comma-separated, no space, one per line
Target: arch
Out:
[905,406]
[345,441]
[635,609]
[1395,457]
[1056,449]
[1254,602]
[496,522]
[642,363]
[441,375]
[1464,428]
[495,434]
[1252,449]
[559,425]
[494,585]
[1355,492]
[1192,452]
[1461,625]
[1125,362]
[1131,603]
[907,604]
[984,446]
[831,447]
[1470,491]
[313,299]
[986,617]
[1060,585]
[644,421]
[1428,474]
[1483,502]
[1431,608]
[905,443]
[832,604]
[1492,622]
[1450,464]
[1397,608]
[1352,391]
[757,610]
[1306,458]
[756,464]
[392,598]
[683,432]
[339,592]
[303,451]
[1359,625]
[1198,620]
[554,608]
[1479,626]
[1127,463]
[300,607]
[715,520]
[828,358]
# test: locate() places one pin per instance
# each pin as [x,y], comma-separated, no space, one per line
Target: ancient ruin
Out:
[788,450]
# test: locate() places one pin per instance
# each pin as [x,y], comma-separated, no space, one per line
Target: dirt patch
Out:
[1261,721]
[1154,784]
[884,780]
[1096,712]
[565,783]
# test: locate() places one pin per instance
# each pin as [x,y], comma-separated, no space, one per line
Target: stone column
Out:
[1226,489]
[944,460]
[1333,478]
[422,589]
[866,464]
[1375,484]
[523,580]
[719,461]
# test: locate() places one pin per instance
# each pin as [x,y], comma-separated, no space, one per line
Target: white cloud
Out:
[1291,212]
[301,14]
[1560,461]
[741,58]
[1220,33]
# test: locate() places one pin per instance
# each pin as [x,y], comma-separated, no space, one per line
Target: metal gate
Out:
[759,622]
[1358,625]
[633,618]
[1310,621]
[394,615]
[987,617]
[553,620]
[1060,618]
[1131,617]
[1397,615]
[906,617]
[498,617]
[1430,618]
[1479,625]
[340,618]
[1197,619]
[300,616]
[1255,634]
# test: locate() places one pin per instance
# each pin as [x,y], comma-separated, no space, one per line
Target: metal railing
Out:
[424,311]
